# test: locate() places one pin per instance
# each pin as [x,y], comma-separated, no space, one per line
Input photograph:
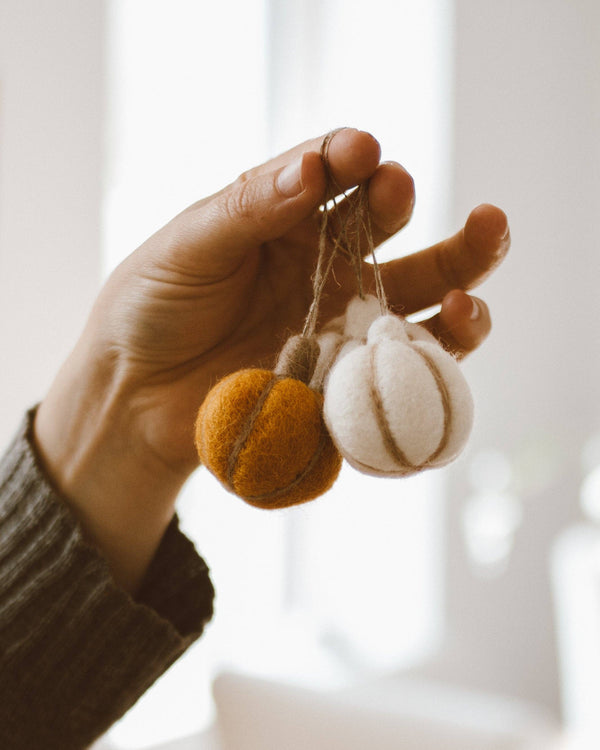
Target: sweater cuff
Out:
[76,651]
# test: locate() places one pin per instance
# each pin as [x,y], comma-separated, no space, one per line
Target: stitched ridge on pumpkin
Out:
[244,433]
[319,386]
[307,469]
[382,422]
[445,397]
[380,472]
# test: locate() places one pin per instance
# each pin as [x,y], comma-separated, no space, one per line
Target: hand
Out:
[217,289]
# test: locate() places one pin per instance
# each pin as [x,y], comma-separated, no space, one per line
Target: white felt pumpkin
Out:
[397,402]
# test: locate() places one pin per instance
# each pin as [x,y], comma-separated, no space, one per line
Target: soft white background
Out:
[506,98]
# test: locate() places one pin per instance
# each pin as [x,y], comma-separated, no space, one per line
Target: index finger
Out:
[423,279]
[353,156]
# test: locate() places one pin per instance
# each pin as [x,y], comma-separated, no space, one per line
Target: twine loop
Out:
[352,239]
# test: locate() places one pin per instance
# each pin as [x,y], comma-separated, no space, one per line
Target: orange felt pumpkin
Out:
[263,436]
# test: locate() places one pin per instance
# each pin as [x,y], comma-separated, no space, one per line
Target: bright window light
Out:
[200,91]
[187,109]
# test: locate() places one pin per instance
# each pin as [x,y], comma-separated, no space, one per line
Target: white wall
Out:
[51,145]
[527,124]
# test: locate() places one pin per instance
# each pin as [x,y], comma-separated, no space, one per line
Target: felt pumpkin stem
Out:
[298,358]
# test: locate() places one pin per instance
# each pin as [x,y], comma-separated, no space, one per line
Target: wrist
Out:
[122,495]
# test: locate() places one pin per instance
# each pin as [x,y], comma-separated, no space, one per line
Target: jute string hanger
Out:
[347,239]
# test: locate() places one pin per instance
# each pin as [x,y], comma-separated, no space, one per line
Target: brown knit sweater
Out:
[76,651]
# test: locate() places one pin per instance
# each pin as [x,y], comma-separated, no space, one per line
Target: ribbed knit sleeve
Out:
[76,651]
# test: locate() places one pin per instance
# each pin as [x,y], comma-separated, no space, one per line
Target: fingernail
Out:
[476,311]
[289,180]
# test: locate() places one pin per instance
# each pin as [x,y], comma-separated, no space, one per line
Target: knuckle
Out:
[240,201]
[244,177]
[446,267]
[249,204]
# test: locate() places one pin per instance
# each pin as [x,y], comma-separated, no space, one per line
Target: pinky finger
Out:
[462,323]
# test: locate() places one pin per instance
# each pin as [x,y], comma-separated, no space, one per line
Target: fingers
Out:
[462,323]
[423,279]
[217,235]
[267,202]
[353,157]
[391,197]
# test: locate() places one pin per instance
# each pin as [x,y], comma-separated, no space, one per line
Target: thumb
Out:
[254,209]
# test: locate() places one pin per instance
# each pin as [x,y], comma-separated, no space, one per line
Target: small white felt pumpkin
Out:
[397,403]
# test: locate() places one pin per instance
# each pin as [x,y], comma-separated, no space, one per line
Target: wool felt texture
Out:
[298,358]
[397,403]
[342,334]
[360,313]
[263,436]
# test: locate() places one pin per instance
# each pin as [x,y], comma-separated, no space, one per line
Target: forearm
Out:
[75,649]
[122,496]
